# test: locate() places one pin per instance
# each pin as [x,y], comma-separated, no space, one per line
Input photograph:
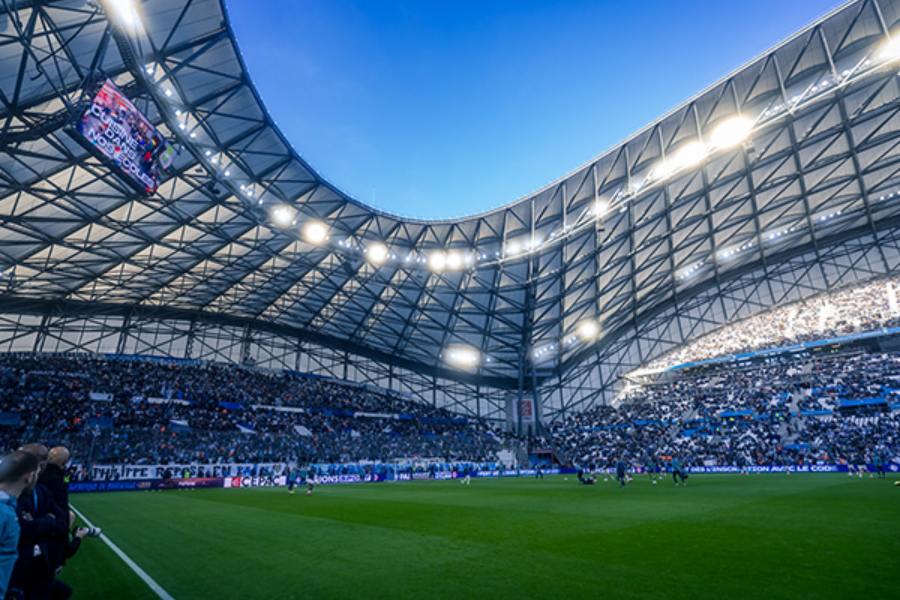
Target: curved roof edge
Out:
[550,185]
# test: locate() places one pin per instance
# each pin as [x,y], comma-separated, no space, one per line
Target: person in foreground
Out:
[18,476]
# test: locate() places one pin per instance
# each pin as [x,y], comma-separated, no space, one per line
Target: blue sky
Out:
[438,109]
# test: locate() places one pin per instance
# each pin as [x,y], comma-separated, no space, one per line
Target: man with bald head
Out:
[54,479]
[54,476]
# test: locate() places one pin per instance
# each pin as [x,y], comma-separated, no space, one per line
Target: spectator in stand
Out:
[863,308]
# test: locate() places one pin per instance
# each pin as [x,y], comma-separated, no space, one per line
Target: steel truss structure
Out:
[653,254]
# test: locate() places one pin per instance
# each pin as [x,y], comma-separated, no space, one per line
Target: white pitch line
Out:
[134,567]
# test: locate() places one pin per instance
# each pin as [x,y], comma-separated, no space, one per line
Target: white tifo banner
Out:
[129,472]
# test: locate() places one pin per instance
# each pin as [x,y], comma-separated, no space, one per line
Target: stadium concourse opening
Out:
[673,373]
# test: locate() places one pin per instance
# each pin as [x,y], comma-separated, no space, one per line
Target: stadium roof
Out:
[794,153]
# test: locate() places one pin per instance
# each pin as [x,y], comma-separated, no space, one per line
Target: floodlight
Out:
[588,331]
[454,260]
[315,233]
[462,356]
[664,169]
[377,253]
[601,207]
[283,215]
[513,248]
[437,261]
[690,155]
[891,49]
[732,132]
[125,13]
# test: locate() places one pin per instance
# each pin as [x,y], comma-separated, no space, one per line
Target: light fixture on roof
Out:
[513,248]
[690,155]
[315,233]
[891,49]
[377,253]
[732,132]
[125,14]
[687,156]
[454,261]
[283,215]
[437,261]
[601,207]
[462,356]
[588,330]
[543,353]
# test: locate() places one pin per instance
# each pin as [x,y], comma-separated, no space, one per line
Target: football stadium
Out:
[672,373]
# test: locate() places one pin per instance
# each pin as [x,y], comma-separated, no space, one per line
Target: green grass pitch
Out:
[724,536]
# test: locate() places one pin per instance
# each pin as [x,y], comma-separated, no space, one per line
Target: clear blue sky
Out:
[451,108]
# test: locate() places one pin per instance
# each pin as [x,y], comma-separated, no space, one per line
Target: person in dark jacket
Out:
[620,471]
[54,479]
[40,521]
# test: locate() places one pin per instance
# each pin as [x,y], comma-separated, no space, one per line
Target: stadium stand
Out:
[790,410]
[840,313]
[117,411]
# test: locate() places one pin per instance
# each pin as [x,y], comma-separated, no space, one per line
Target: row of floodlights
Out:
[727,134]
[774,236]
[468,357]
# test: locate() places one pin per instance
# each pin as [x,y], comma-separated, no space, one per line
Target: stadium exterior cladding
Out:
[653,251]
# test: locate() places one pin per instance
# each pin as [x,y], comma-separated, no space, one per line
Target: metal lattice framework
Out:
[654,256]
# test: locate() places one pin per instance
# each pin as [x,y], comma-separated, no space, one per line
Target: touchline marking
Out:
[139,571]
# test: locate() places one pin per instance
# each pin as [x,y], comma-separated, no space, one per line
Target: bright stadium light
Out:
[315,233]
[513,248]
[437,260]
[664,169]
[462,356]
[690,155]
[732,132]
[588,331]
[126,14]
[601,207]
[891,50]
[454,261]
[377,253]
[283,216]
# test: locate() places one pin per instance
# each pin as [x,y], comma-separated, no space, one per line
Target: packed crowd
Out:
[784,411]
[856,310]
[116,411]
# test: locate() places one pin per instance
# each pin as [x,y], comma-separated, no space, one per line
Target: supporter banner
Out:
[163,401]
[167,360]
[288,409]
[99,397]
[128,472]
